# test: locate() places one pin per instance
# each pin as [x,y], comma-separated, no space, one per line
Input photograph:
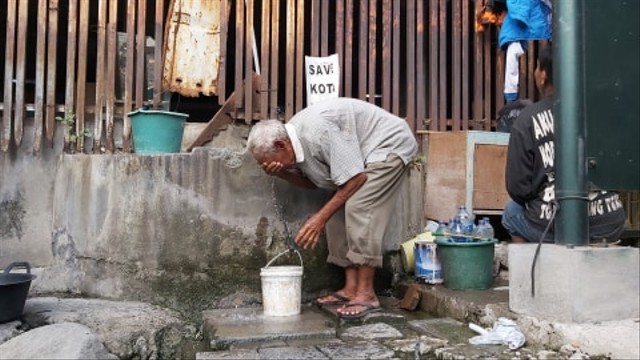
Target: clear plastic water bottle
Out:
[477,232]
[488,229]
[457,231]
[465,220]
[484,230]
[442,232]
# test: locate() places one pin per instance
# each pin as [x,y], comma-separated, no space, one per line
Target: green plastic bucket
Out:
[467,265]
[157,131]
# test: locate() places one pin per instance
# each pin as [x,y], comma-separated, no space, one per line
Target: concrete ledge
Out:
[579,284]
[613,339]
[481,307]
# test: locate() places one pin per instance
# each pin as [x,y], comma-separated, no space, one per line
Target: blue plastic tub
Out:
[157,131]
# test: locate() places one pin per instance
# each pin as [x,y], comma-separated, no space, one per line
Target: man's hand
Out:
[309,233]
[272,168]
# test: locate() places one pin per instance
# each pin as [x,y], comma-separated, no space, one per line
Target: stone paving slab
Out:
[454,331]
[242,354]
[226,327]
[371,332]
[416,346]
[357,350]
[484,352]
[292,352]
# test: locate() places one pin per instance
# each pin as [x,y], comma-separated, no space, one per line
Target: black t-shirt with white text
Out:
[530,174]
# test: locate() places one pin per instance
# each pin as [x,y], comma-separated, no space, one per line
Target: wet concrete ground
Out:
[316,333]
[438,328]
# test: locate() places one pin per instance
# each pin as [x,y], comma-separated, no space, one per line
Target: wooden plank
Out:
[220,119]
[522,75]
[442,67]
[411,63]
[300,89]
[324,28]
[157,54]
[265,40]
[500,68]
[445,180]
[9,54]
[340,24]
[110,91]
[348,49]
[275,48]
[128,78]
[315,27]
[395,55]
[83,30]
[489,188]
[38,116]
[239,54]
[433,65]
[52,36]
[531,83]
[488,80]
[140,85]
[386,54]
[362,51]
[477,70]
[225,8]
[371,86]
[290,60]
[100,77]
[456,45]
[465,65]
[217,122]
[69,103]
[248,62]
[21,59]
[420,68]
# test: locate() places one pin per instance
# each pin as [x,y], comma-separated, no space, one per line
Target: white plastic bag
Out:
[504,332]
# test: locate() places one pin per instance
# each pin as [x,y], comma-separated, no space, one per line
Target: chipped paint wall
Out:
[181,230]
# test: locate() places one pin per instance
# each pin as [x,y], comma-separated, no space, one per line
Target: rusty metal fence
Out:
[420,59]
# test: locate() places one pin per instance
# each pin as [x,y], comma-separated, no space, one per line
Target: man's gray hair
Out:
[263,136]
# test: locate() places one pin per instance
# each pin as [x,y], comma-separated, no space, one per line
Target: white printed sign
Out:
[323,78]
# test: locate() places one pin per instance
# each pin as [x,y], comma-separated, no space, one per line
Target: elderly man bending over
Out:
[360,151]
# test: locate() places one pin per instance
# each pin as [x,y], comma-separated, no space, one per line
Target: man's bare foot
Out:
[356,311]
[337,298]
[359,306]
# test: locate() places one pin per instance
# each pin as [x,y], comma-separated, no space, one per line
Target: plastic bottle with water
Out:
[466,221]
[442,232]
[457,231]
[484,230]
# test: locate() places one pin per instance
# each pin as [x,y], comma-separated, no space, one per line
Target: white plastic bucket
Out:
[281,288]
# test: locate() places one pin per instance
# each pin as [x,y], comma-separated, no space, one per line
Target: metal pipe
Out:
[571,225]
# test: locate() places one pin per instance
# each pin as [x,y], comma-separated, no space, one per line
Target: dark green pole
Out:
[571,227]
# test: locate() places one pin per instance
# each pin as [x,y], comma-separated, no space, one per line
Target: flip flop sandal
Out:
[368,309]
[337,300]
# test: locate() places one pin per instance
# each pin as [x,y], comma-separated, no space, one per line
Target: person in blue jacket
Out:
[525,20]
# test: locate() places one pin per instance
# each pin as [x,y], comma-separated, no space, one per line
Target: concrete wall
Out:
[581,284]
[181,230]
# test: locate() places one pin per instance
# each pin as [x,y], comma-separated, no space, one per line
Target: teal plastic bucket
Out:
[157,131]
[467,265]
